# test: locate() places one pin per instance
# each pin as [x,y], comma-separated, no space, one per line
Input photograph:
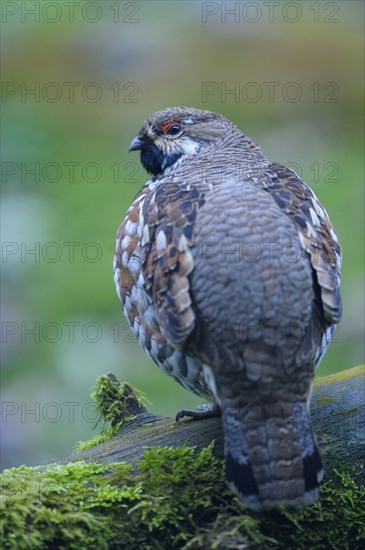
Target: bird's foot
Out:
[207,410]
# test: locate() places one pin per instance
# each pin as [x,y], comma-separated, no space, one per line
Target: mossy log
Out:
[159,484]
[337,411]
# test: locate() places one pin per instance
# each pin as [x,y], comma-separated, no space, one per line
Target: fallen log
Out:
[337,411]
[160,484]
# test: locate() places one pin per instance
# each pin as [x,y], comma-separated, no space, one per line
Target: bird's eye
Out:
[172,128]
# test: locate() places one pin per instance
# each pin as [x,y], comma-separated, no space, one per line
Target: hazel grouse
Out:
[228,269]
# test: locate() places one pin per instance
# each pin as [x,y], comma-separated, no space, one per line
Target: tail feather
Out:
[271,455]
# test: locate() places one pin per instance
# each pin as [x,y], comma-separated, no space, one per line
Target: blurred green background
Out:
[97,70]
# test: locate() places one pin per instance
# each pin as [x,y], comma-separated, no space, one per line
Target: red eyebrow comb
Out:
[165,127]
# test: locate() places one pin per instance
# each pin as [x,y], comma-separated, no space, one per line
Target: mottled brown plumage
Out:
[228,269]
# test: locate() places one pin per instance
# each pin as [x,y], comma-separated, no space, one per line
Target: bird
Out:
[228,270]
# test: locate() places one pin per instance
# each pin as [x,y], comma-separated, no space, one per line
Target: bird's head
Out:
[169,136]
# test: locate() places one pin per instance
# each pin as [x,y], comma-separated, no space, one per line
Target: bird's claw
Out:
[207,410]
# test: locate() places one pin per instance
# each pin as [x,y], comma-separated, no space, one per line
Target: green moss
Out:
[172,498]
[82,506]
[178,499]
[115,404]
[325,400]
[358,371]
[336,520]
[63,506]
[107,434]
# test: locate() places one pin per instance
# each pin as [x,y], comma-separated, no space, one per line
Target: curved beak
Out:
[136,144]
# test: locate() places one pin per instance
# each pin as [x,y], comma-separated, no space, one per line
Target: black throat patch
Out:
[155,161]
